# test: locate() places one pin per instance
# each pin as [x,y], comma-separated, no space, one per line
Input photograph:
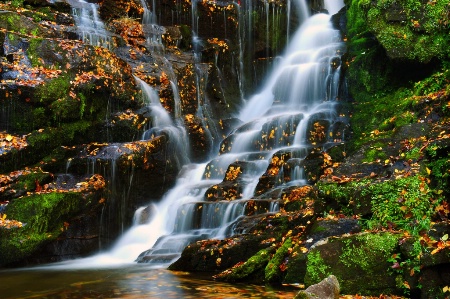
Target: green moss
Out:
[407,29]
[359,262]
[32,51]
[53,137]
[253,268]
[368,251]
[44,212]
[56,89]
[296,266]
[28,182]
[273,273]
[17,3]
[43,216]
[373,154]
[42,142]
[316,269]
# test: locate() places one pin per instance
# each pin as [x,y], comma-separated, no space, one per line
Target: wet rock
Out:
[111,9]
[326,289]
[259,232]
[199,137]
[325,228]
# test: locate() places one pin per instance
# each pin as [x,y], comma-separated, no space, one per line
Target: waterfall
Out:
[152,30]
[301,89]
[90,26]
[162,124]
[298,97]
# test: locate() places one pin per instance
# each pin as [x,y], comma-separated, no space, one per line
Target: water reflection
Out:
[136,281]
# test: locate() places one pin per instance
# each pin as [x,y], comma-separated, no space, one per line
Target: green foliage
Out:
[17,3]
[433,83]
[316,269]
[405,203]
[413,154]
[440,174]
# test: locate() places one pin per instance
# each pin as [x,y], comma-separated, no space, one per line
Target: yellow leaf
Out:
[444,237]
[8,137]
[4,217]
[428,171]
[445,289]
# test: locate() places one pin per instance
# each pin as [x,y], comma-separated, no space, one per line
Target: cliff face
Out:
[73,113]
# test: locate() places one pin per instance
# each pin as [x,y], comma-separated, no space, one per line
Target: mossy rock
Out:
[28,181]
[43,141]
[407,30]
[20,24]
[274,269]
[359,262]
[46,217]
[250,270]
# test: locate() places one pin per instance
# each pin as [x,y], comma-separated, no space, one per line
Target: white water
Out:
[162,124]
[301,88]
[89,24]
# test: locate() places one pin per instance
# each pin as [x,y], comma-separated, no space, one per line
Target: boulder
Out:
[326,289]
[359,262]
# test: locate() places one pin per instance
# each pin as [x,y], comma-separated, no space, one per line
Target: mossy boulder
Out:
[407,30]
[252,269]
[360,262]
[49,217]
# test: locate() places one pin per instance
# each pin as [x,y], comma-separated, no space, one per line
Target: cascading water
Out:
[152,30]
[162,124]
[300,92]
[90,26]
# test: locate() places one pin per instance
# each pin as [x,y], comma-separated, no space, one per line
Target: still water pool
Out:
[127,281]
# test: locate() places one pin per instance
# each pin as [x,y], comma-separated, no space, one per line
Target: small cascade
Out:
[162,124]
[90,26]
[152,30]
[293,114]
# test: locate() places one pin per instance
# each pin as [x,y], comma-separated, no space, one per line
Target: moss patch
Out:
[43,216]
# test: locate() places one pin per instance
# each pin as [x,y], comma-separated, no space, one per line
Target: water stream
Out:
[300,90]
[90,27]
[298,95]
